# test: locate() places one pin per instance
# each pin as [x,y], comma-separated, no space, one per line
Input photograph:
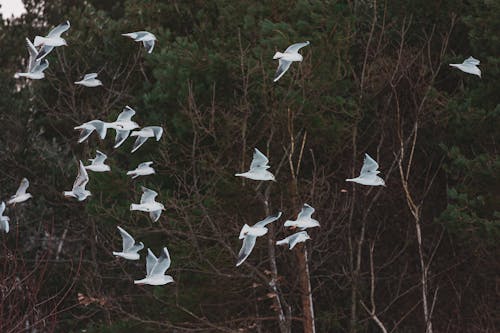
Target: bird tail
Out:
[134,207]
[349,180]
[289,224]
[68,194]
[278,55]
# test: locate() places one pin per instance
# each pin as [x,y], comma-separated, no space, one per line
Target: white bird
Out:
[156,268]
[147,39]
[250,233]
[90,80]
[469,66]
[98,163]
[148,204]
[53,39]
[123,125]
[304,219]
[258,168]
[87,128]
[35,68]
[145,133]
[79,192]
[129,246]
[142,169]
[292,240]
[368,175]
[286,58]
[4,220]
[21,194]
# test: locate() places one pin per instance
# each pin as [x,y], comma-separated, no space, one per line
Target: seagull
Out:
[304,219]
[258,168]
[35,68]
[148,204]
[90,126]
[368,175]
[469,66]
[21,194]
[130,246]
[142,169]
[79,192]
[52,40]
[156,268]
[144,134]
[4,220]
[90,80]
[294,239]
[286,58]
[123,125]
[147,39]
[250,233]
[98,163]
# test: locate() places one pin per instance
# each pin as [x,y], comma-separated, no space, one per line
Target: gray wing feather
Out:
[246,248]
[148,195]
[295,47]
[23,187]
[100,157]
[138,143]
[150,262]
[57,31]
[369,166]
[306,212]
[82,178]
[268,220]
[162,264]
[127,240]
[282,68]
[259,160]
[155,215]
[144,165]
[126,114]
[149,45]
[120,138]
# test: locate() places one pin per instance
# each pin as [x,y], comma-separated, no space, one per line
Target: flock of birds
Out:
[125,127]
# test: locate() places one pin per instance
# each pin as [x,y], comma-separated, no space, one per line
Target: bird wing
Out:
[100,157]
[2,208]
[246,248]
[155,215]
[57,31]
[44,51]
[90,76]
[162,264]
[149,45]
[306,212]
[40,66]
[127,240]
[148,195]
[23,187]
[151,261]
[282,68]
[259,160]
[296,47]
[33,53]
[472,61]
[268,220]
[369,166]
[82,178]
[126,114]
[144,165]
[157,131]
[138,142]
[120,138]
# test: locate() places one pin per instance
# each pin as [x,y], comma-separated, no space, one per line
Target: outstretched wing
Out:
[144,165]
[246,249]
[90,76]
[138,142]
[148,195]
[268,220]
[82,178]
[2,208]
[126,114]
[150,262]
[295,47]
[33,53]
[100,157]
[120,137]
[471,61]
[370,166]
[259,160]
[306,212]
[155,215]
[23,187]
[149,45]
[127,240]
[57,31]
[282,68]
[40,66]
[162,264]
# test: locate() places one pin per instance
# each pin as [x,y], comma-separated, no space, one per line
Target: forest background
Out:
[420,255]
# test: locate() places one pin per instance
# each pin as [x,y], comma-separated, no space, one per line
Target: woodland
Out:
[418,255]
